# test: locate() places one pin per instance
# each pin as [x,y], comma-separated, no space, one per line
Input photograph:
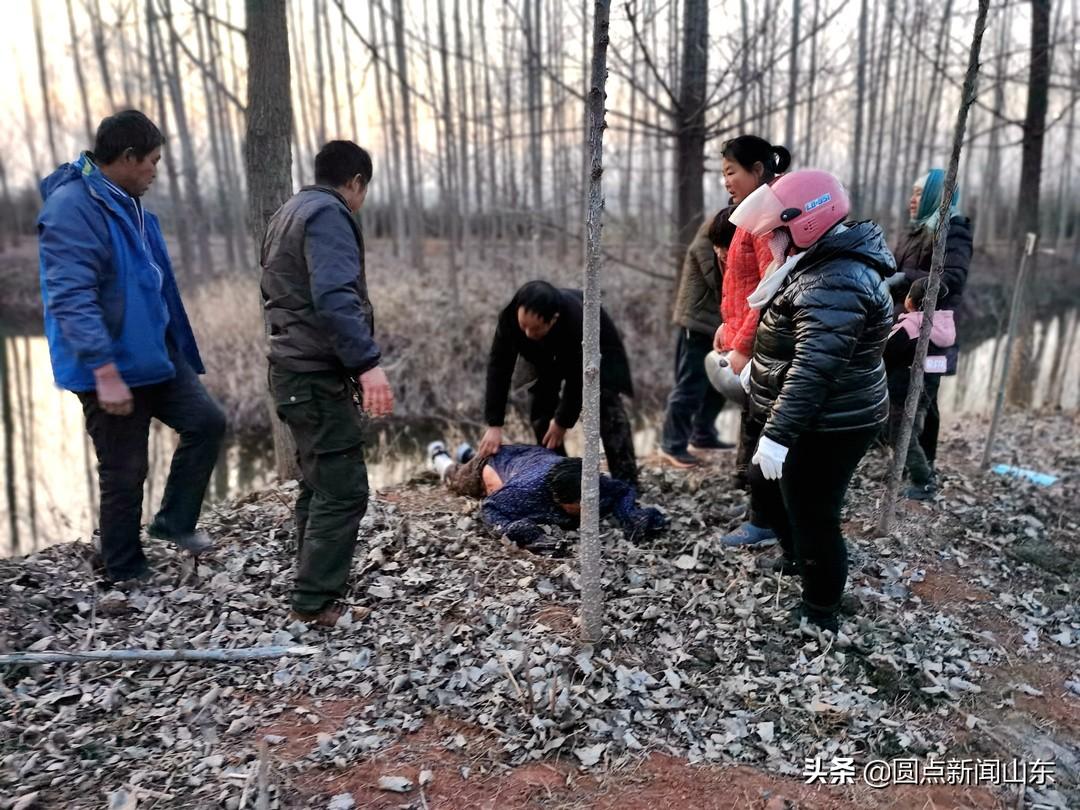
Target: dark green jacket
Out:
[697,304]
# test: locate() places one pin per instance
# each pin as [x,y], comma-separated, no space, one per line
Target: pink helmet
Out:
[807,202]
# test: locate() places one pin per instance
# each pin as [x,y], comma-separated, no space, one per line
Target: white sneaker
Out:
[435,448]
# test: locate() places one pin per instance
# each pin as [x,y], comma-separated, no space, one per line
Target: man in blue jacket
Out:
[322,344]
[120,339]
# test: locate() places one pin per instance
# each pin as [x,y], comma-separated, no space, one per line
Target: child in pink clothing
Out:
[899,357]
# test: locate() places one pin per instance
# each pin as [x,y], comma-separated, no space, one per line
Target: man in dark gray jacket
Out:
[693,404]
[321,330]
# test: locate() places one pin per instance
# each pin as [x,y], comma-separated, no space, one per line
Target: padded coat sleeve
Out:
[828,316]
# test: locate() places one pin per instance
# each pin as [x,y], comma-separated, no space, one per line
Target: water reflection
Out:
[47,465]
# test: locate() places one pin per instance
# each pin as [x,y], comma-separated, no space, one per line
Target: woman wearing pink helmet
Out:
[817,384]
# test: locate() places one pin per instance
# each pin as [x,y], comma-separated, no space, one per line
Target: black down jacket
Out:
[817,352]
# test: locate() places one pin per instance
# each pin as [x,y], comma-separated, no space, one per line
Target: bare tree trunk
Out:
[236,244]
[217,150]
[937,264]
[451,201]
[43,79]
[267,151]
[744,62]
[690,128]
[1064,201]
[354,129]
[592,589]
[932,111]
[412,179]
[489,119]
[990,190]
[536,150]
[28,439]
[320,75]
[397,203]
[9,227]
[478,184]
[884,91]
[628,179]
[7,419]
[901,113]
[793,76]
[463,148]
[80,79]
[860,105]
[1022,384]
[97,31]
[180,211]
[189,165]
[306,117]
[331,63]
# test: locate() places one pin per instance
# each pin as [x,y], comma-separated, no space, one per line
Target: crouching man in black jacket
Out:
[321,330]
[543,325]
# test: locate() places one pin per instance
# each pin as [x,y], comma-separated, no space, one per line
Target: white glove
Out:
[770,457]
[744,377]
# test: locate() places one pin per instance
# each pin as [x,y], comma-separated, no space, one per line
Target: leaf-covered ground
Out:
[465,686]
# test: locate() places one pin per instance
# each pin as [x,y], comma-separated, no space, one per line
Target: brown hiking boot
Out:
[330,615]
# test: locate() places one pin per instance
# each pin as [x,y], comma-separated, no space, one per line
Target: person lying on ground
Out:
[899,357]
[543,325]
[525,487]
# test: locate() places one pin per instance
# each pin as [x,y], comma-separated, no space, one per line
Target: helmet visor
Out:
[759,213]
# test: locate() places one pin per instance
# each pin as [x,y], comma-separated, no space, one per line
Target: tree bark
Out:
[1022,384]
[690,128]
[937,264]
[268,151]
[101,54]
[592,590]
[397,203]
[412,179]
[7,419]
[189,163]
[80,78]
[793,77]
[180,211]
[217,149]
[860,106]
[451,157]
[43,80]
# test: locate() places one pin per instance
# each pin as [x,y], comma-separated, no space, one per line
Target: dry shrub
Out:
[434,353]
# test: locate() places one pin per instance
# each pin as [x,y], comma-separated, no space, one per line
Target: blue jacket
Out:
[523,503]
[107,284]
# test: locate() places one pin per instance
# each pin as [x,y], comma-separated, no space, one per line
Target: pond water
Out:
[47,468]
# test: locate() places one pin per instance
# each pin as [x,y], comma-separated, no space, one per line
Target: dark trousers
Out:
[749,434]
[918,466]
[928,434]
[121,444]
[615,432]
[803,507]
[693,404]
[327,426]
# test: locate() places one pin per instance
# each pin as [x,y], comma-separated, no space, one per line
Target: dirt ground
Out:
[449,762]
